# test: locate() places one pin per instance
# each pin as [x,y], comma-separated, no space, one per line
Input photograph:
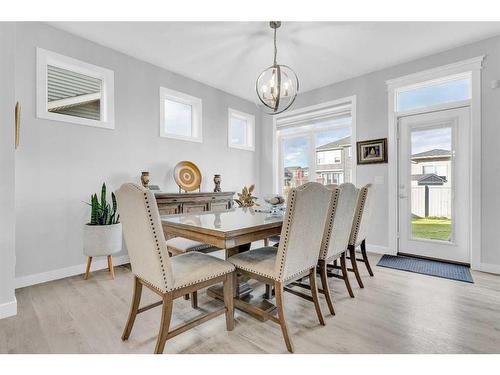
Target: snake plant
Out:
[101,212]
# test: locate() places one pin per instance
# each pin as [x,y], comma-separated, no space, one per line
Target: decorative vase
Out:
[145,179]
[102,240]
[217,180]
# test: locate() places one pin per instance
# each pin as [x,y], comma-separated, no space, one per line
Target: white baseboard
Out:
[8,309]
[61,273]
[490,268]
[378,249]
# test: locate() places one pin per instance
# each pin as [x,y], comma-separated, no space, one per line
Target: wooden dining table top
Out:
[225,229]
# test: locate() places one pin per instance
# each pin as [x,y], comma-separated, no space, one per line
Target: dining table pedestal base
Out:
[246,301]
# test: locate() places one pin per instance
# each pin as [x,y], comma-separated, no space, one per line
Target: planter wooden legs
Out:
[87,270]
[110,267]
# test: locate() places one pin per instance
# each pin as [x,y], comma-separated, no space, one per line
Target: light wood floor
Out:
[397,312]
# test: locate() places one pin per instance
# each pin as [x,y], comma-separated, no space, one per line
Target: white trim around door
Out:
[473,66]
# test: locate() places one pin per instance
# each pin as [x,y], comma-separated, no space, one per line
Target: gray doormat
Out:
[427,267]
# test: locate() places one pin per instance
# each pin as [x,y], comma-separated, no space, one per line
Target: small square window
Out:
[241,130]
[180,115]
[73,91]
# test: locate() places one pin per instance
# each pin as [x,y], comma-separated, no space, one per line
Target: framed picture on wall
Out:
[372,151]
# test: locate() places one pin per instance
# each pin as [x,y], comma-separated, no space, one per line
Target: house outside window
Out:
[329,157]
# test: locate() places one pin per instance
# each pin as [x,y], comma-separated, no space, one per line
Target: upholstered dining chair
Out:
[336,236]
[168,277]
[335,239]
[180,245]
[297,253]
[359,232]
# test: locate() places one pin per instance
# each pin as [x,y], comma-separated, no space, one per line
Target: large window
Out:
[241,130]
[314,146]
[180,115]
[73,91]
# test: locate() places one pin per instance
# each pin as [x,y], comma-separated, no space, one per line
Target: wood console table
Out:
[185,203]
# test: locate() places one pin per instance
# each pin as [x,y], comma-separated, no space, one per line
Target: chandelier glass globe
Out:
[278,85]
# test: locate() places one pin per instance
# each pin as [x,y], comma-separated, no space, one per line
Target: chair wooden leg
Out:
[365,258]
[136,299]
[194,300]
[269,292]
[228,301]
[166,316]
[278,288]
[314,293]
[345,274]
[325,287]
[352,255]
[266,241]
[110,266]
[87,270]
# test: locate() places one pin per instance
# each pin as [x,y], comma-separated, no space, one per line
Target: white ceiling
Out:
[230,55]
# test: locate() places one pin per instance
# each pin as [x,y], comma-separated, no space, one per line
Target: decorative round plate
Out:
[187,176]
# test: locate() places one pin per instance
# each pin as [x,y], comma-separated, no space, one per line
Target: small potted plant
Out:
[245,198]
[102,236]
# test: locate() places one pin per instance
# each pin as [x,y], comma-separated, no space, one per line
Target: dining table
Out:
[232,231]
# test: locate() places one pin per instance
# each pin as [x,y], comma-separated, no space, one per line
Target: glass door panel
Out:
[431,165]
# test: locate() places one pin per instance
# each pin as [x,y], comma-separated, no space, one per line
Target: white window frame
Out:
[304,113]
[473,68]
[107,103]
[249,131]
[196,114]
[429,83]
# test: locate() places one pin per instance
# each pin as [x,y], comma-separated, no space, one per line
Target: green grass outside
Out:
[432,228]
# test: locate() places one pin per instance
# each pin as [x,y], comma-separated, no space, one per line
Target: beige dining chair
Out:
[335,240]
[180,245]
[168,277]
[336,237]
[359,231]
[297,253]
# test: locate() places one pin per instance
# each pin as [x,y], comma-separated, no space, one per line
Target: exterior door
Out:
[433,185]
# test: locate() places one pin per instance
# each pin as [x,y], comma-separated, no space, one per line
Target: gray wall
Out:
[7,213]
[60,164]
[372,122]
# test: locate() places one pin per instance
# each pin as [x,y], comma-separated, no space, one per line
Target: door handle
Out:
[402,196]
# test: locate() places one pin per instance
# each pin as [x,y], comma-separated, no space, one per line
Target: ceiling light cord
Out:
[275,48]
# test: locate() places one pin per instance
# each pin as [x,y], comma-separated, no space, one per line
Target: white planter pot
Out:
[101,240]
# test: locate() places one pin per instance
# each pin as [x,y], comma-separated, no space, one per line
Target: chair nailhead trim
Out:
[326,240]
[289,217]
[158,249]
[359,216]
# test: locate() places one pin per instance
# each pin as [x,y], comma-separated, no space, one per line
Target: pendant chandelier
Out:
[278,85]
